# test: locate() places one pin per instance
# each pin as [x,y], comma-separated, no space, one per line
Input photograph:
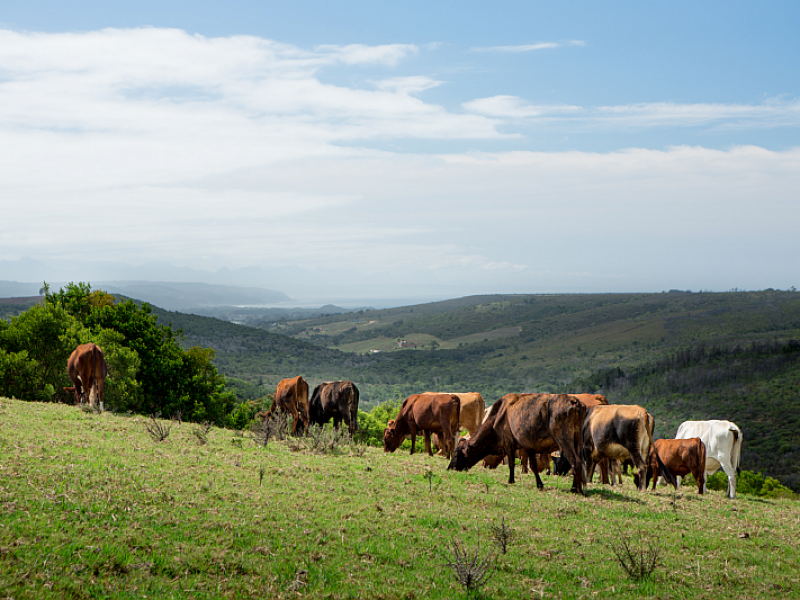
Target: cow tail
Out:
[664,471]
[354,407]
[737,448]
[457,432]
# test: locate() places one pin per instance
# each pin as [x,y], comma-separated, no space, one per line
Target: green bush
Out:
[751,483]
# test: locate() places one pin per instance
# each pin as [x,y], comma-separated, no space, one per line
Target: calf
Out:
[681,457]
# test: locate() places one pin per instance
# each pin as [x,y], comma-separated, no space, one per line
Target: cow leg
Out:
[731,473]
[524,459]
[100,383]
[604,471]
[91,389]
[535,468]
[511,455]
[413,428]
[428,448]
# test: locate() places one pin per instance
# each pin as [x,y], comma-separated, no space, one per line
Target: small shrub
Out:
[470,568]
[262,430]
[324,439]
[501,535]
[638,560]
[158,431]
[201,431]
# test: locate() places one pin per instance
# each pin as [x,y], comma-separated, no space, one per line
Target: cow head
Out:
[392,438]
[459,459]
[78,395]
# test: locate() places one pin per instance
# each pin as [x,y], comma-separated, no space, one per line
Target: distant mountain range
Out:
[299,287]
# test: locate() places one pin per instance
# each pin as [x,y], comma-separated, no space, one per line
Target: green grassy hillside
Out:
[92,507]
[500,344]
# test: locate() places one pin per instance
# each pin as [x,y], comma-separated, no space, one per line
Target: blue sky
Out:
[461,147]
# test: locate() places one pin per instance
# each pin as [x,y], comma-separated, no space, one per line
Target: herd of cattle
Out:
[583,431]
[577,431]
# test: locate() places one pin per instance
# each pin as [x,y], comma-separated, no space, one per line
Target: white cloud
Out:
[771,113]
[528,47]
[407,85]
[160,145]
[514,107]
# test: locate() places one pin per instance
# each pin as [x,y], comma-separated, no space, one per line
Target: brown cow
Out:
[590,400]
[681,457]
[292,397]
[619,432]
[538,423]
[337,400]
[87,369]
[472,409]
[429,413]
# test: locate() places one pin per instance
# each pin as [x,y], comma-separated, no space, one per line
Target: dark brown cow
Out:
[292,397]
[537,423]
[619,432]
[429,413]
[87,369]
[337,400]
[681,457]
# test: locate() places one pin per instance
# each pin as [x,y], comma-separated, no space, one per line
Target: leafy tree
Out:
[37,345]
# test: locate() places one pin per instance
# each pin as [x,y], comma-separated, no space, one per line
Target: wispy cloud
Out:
[515,107]
[528,47]
[771,113]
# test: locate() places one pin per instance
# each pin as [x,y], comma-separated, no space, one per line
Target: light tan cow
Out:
[472,411]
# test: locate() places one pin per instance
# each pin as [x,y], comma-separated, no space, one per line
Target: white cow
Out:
[723,441]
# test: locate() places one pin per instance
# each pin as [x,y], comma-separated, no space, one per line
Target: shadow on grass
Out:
[608,494]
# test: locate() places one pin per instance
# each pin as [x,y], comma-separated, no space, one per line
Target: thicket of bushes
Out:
[149,372]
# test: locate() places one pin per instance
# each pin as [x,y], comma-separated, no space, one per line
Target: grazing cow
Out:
[429,413]
[619,432]
[337,400]
[292,397]
[87,369]
[681,457]
[723,441]
[537,423]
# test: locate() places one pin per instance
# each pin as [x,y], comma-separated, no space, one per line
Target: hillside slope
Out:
[92,507]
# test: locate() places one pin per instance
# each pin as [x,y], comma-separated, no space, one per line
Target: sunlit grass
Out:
[90,507]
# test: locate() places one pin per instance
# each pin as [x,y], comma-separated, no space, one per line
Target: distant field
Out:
[91,507]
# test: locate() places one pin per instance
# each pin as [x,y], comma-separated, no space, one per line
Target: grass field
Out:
[92,507]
